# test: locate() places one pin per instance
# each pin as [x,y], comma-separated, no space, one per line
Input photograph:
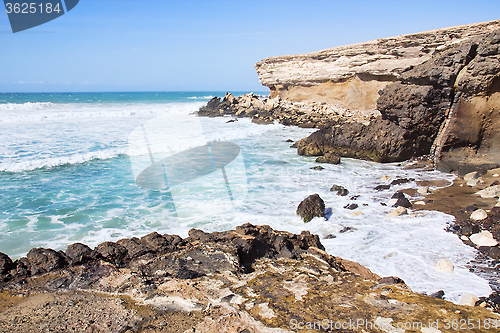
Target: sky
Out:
[189,45]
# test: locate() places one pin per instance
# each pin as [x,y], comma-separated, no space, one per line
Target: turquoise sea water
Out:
[69,165]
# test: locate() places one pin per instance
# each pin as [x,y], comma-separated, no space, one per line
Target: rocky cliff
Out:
[351,76]
[435,92]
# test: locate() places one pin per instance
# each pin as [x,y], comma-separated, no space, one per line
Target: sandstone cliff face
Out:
[434,93]
[351,76]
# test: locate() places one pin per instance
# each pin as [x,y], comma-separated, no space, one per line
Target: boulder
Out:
[473,182]
[444,266]
[46,259]
[310,207]
[6,263]
[478,215]
[483,238]
[402,202]
[468,299]
[437,294]
[402,181]
[329,158]
[341,191]
[161,244]
[112,252]
[79,253]
[135,247]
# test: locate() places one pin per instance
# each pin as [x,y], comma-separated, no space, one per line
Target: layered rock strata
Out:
[251,279]
[435,93]
[351,76]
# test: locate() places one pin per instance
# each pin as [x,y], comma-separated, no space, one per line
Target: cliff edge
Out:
[433,93]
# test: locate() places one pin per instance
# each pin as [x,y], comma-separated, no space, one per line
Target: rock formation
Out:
[433,93]
[251,279]
[445,106]
[352,75]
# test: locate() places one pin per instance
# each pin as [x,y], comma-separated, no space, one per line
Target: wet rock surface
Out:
[251,279]
[311,207]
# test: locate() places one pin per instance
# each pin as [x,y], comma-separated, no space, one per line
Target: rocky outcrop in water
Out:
[251,279]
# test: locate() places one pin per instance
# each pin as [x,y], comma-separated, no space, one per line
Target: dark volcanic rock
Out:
[135,248]
[6,263]
[402,202]
[341,190]
[329,158]
[380,141]
[351,206]
[46,259]
[162,244]
[401,181]
[398,195]
[79,253]
[310,207]
[438,294]
[112,252]
[382,187]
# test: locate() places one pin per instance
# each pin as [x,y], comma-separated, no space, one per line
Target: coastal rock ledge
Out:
[433,93]
[251,279]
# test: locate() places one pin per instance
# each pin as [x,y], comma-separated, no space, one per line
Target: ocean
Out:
[95,167]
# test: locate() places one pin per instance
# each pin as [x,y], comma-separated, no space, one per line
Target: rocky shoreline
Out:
[432,96]
[251,279]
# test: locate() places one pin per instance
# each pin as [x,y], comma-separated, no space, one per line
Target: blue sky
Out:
[150,45]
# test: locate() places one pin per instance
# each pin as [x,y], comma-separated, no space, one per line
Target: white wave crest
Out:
[201,97]
[29,165]
[64,112]
[26,106]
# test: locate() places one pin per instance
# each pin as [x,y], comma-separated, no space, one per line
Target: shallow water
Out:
[68,172]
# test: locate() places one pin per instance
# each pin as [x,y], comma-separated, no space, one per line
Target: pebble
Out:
[385,178]
[351,206]
[464,238]
[420,203]
[483,238]
[444,266]
[471,175]
[496,175]
[468,299]
[356,214]
[472,182]
[397,212]
[490,192]
[478,215]
[424,190]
